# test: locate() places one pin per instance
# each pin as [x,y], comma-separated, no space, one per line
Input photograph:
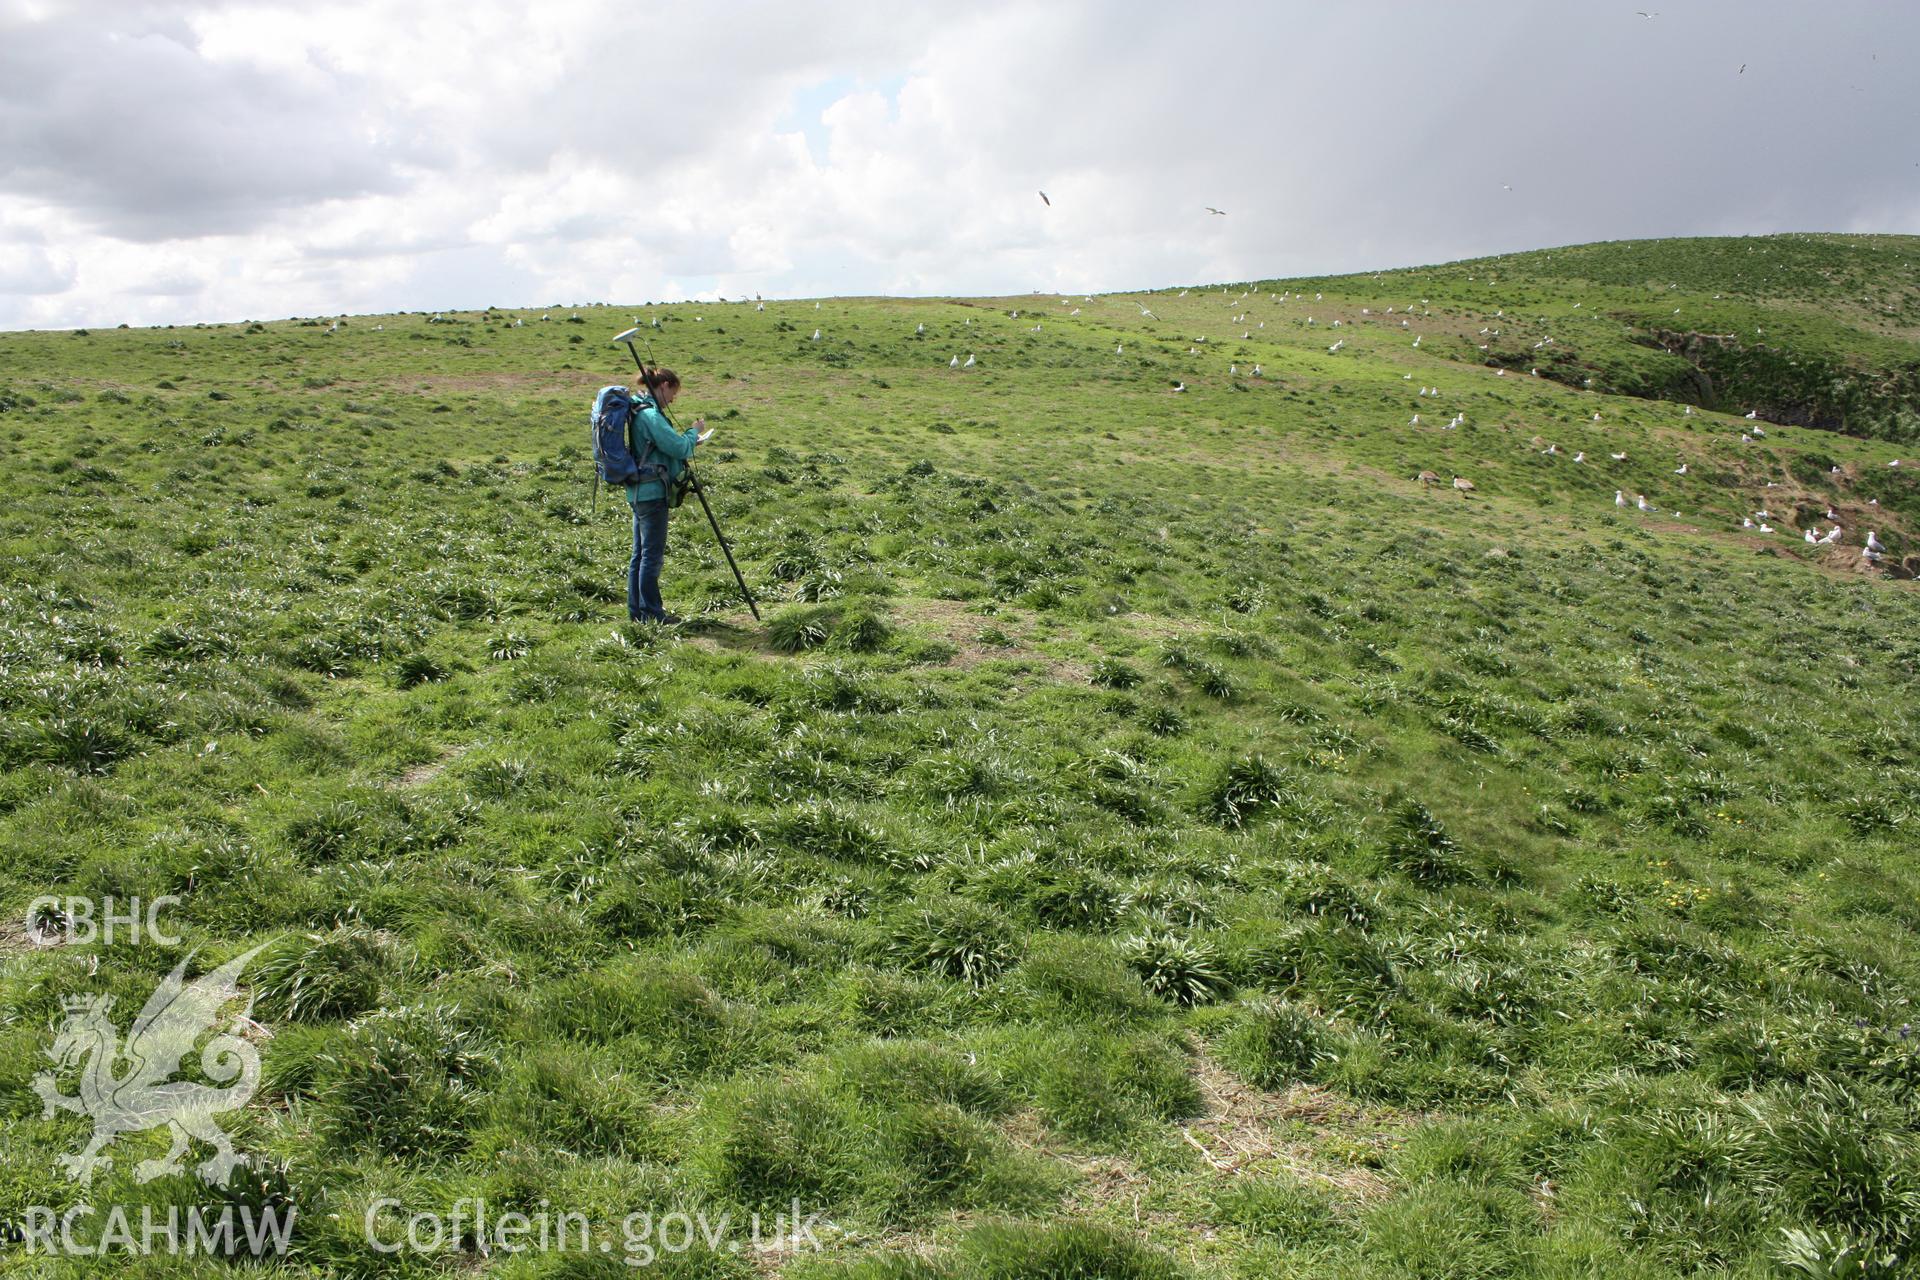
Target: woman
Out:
[662,453]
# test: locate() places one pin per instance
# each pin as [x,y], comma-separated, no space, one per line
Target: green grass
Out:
[1152,834]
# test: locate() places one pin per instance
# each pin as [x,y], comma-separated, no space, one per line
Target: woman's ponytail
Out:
[655,377]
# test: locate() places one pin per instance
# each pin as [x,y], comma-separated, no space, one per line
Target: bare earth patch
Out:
[421,774]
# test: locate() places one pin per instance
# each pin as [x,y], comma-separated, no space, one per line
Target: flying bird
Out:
[1045,201]
[1221,212]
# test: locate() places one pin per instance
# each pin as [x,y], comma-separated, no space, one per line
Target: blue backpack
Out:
[615,460]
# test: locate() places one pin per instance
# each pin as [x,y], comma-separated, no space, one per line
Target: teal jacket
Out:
[674,448]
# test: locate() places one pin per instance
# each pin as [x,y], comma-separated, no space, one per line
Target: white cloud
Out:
[228,160]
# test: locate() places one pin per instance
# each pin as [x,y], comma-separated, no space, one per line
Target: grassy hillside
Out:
[1155,834]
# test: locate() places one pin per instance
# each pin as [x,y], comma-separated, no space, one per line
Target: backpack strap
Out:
[642,400]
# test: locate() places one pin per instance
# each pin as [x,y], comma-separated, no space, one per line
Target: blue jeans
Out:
[643,572]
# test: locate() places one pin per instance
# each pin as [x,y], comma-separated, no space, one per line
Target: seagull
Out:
[1648,16]
[1746,522]
[1680,470]
[921,327]
[1256,371]
[1873,542]
[969,363]
[1148,314]
[1870,555]
[1553,449]
[1640,500]
[1752,414]
[1619,499]
[815,337]
[1833,536]
[1179,386]
[1045,201]
[1580,457]
[1894,463]
[954,363]
[1221,212]
[1596,415]
[1810,538]
[1414,421]
[1117,347]
[1764,526]
[1336,346]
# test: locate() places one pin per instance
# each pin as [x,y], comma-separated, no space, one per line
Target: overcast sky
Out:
[174,162]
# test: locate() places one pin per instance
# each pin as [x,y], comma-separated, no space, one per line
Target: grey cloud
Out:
[30,270]
[135,134]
